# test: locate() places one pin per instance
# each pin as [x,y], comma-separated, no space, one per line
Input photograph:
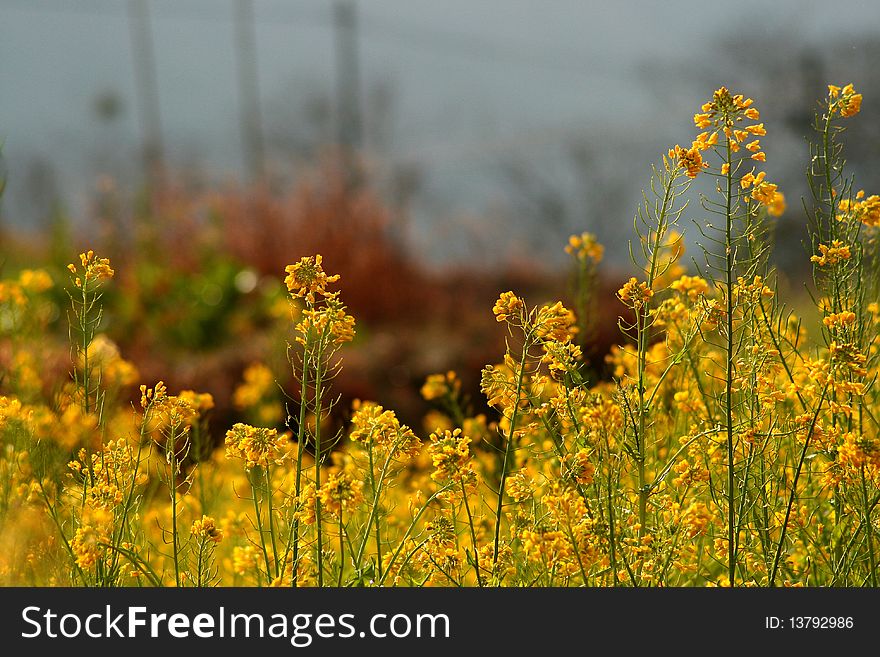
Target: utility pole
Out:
[146,87]
[249,90]
[348,108]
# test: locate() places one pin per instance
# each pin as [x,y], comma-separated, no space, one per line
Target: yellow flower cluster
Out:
[689,159]
[306,502]
[585,247]
[695,520]
[726,114]
[859,451]
[578,467]
[866,210]
[257,381]
[373,425]
[89,544]
[205,528]
[561,357]
[105,474]
[842,319]
[499,384]
[29,281]
[452,459]
[438,386]
[340,492]
[754,291]
[256,446]
[691,287]
[93,269]
[258,395]
[330,323]
[844,101]
[199,402]
[554,322]
[508,308]
[174,412]
[831,255]
[244,559]
[10,409]
[103,354]
[549,547]
[765,193]
[307,278]
[520,486]
[635,294]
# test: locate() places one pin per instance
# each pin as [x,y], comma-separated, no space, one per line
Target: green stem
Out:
[794,483]
[869,532]
[271,513]
[259,519]
[728,383]
[511,433]
[473,534]
[318,412]
[300,442]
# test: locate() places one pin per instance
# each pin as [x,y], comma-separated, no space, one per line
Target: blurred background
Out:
[436,153]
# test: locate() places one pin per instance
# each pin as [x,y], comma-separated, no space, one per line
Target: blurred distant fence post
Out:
[146,87]
[249,89]
[350,124]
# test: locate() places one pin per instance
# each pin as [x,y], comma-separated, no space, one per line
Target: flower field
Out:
[733,442]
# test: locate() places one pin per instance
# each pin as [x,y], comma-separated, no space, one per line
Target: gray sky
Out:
[474,82]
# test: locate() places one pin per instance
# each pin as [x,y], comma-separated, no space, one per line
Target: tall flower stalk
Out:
[323,328]
[732,137]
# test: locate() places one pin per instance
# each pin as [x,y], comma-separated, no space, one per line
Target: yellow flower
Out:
[585,247]
[329,323]
[34,280]
[520,487]
[206,529]
[845,318]
[695,520]
[578,467]
[554,322]
[688,159]
[635,294]
[93,269]
[845,101]
[256,446]
[690,286]
[766,193]
[307,278]
[452,459]
[244,559]
[438,386]
[831,255]
[866,210]
[340,492]
[508,307]
[702,120]
[561,356]
[757,129]
[258,383]
[373,425]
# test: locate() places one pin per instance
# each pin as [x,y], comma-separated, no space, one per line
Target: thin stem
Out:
[728,383]
[794,483]
[259,518]
[470,518]
[271,513]
[511,433]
